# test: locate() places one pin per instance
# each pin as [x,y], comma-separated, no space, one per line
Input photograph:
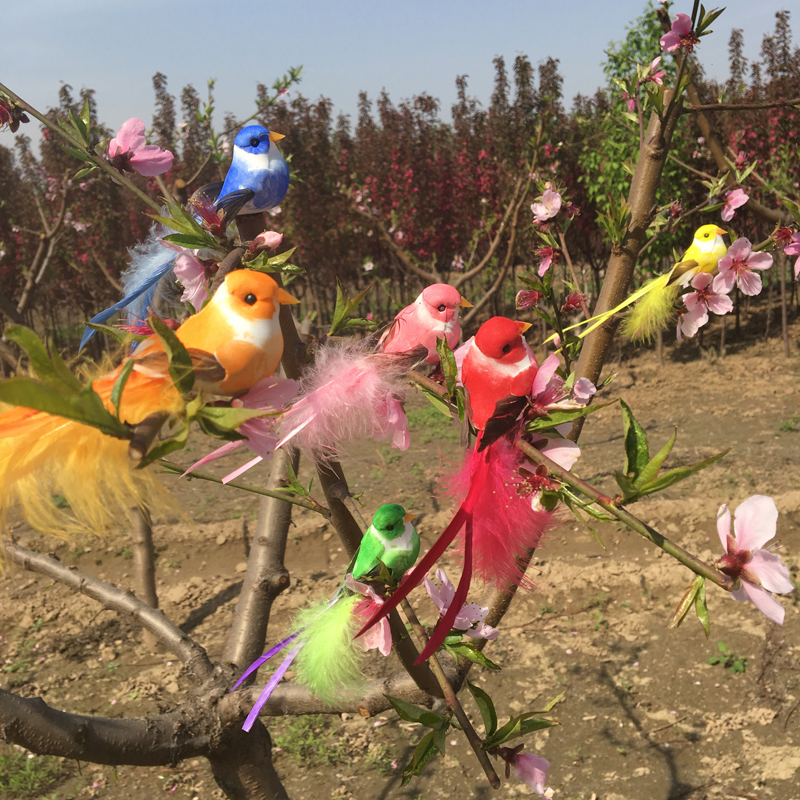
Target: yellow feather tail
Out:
[654,310]
[68,478]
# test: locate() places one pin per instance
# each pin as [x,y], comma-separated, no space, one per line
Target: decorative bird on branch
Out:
[233,343]
[495,513]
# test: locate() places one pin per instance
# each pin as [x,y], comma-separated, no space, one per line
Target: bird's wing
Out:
[506,414]
[680,269]
[206,367]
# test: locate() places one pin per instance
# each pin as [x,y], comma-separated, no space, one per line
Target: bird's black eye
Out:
[250,299]
[254,142]
[506,348]
[390,527]
[442,307]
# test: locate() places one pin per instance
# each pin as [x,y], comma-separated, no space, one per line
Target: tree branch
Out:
[695,108]
[192,655]
[144,742]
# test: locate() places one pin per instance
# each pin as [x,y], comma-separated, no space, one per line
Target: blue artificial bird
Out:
[257,181]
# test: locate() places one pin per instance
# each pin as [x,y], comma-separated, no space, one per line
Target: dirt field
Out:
[645,716]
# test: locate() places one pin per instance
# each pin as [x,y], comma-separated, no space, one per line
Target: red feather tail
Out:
[434,554]
[446,623]
[505,524]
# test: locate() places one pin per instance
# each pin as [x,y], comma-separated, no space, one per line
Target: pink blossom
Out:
[736,268]
[548,208]
[127,151]
[793,249]
[699,302]
[531,770]
[369,266]
[394,423]
[548,256]
[527,298]
[680,36]
[733,200]
[549,391]
[654,77]
[470,618]
[572,302]
[266,240]
[192,275]
[760,571]
[271,395]
[630,102]
[379,636]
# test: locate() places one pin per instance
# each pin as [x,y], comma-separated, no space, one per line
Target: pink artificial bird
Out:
[496,513]
[432,316]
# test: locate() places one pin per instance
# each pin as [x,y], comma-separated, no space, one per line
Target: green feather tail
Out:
[329,664]
[653,312]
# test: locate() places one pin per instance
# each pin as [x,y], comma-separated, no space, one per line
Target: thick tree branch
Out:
[144,742]
[192,655]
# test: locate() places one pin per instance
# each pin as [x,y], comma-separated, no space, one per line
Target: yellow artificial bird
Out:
[655,300]
[234,342]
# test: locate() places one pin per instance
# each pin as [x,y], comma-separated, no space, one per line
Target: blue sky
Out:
[344,47]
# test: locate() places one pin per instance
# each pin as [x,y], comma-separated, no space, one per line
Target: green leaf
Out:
[119,384]
[485,706]
[440,405]
[687,601]
[448,362]
[468,651]
[189,240]
[123,337]
[637,454]
[411,713]
[701,607]
[73,151]
[293,486]
[555,418]
[180,362]
[425,750]
[50,370]
[552,704]
[650,472]
[228,419]
[84,406]
[626,485]
[85,115]
[80,126]
[517,726]
[82,173]
[679,474]
[344,307]
[438,738]
[282,258]
[175,442]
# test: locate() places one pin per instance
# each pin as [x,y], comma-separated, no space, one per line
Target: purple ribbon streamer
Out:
[270,687]
[263,659]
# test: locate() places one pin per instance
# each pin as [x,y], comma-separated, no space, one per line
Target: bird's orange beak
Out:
[720,231]
[276,137]
[284,298]
[464,303]
[523,326]
[409,516]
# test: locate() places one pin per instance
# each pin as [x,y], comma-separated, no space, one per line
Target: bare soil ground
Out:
[644,715]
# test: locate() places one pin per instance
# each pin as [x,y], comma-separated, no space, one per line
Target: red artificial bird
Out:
[496,514]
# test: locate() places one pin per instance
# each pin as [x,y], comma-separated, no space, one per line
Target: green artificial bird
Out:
[392,539]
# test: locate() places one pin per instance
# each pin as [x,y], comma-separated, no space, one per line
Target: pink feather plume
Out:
[349,393]
[504,523]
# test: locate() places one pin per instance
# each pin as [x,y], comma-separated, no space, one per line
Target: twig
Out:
[310,504]
[96,160]
[676,551]
[668,725]
[170,635]
[693,109]
[572,272]
[672,225]
[453,703]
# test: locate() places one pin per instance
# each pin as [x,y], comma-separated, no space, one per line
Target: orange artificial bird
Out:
[234,342]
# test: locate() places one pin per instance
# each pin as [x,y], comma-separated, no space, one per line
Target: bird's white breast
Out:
[400,543]
[250,161]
